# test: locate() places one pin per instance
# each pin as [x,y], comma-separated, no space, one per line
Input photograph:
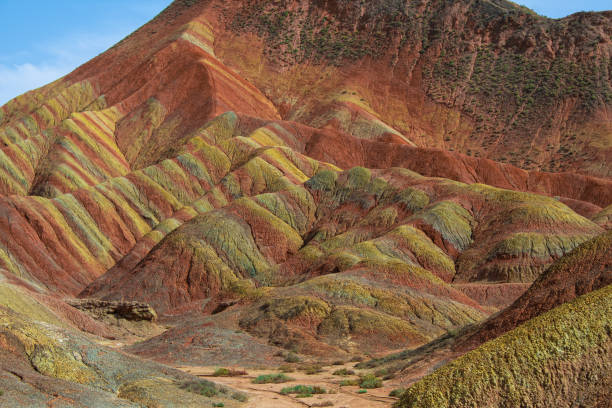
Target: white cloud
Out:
[56,59]
[47,60]
[18,79]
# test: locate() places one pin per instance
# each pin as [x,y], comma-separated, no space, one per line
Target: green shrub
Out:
[370,381]
[311,369]
[346,383]
[303,390]
[272,379]
[292,358]
[203,387]
[397,392]
[362,391]
[381,373]
[343,372]
[228,372]
[218,404]
[240,396]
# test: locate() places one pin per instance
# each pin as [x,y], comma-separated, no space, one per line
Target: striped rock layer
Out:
[331,197]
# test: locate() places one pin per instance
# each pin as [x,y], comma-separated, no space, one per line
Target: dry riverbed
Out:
[269,395]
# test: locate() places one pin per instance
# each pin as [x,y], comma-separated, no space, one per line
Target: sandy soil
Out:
[269,396]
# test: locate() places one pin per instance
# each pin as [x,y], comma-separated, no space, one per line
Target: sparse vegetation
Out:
[344,372]
[311,369]
[347,383]
[228,372]
[286,368]
[272,379]
[204,387]
[240,396]
[370,381]
[397,392]
[322,404]
[303,391]
[292,358]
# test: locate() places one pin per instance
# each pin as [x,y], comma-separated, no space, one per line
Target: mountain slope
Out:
[549,360]
[328,178]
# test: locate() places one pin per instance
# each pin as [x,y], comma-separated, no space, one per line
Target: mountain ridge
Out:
[306,177]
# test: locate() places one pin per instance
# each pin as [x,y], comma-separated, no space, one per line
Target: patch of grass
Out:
[272,379]
[228,372]
[346,383]
[240,396]
[203,387]
[311,369]
[381,372]
[303,390]
[362,391]
[343,372]
[218,404]
[370,381]
[397,392]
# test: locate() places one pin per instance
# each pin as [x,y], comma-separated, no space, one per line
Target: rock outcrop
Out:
[135,311]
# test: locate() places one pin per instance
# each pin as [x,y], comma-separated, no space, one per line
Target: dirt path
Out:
[269,396]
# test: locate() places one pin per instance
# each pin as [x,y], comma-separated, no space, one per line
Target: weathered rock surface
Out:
[124,310]
[335,178]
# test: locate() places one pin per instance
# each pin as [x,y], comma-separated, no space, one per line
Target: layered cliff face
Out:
[485,78]
[309,176]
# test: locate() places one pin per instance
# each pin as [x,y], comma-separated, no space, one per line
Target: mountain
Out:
[535,339]
[335,179]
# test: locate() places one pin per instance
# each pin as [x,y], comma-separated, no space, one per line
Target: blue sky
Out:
[43,40]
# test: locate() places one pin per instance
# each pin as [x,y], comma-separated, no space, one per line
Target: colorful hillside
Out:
[249,183]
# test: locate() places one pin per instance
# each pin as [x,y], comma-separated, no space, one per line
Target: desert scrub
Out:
[311,369]
[370,381]
[303,390]
[218,404]
[240,396]
[397,392]
[203,387]
[520,368]
[343,372]
[292,358]
[228,372]
[272,379]
[348,383]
